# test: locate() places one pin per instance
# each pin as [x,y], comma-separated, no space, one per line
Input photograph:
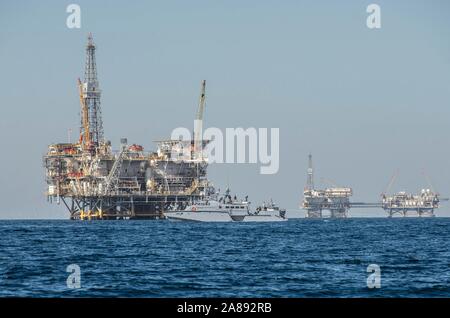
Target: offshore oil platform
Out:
[336,200]
[422,204]
[95,182]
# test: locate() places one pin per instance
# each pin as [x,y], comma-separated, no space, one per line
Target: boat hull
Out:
[213,216]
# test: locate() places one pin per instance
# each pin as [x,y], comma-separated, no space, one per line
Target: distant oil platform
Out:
[336,200]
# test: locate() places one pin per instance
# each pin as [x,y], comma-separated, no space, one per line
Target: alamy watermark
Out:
[74,279]
[236,145]
[374,279]
[73,21]
[374,19]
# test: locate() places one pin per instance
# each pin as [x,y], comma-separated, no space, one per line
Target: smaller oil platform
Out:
[336,200]
[422,204]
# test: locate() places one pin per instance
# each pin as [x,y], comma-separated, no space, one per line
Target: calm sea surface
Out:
[298,258]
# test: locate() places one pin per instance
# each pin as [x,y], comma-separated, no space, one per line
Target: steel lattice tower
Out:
[91,94]
[310,177]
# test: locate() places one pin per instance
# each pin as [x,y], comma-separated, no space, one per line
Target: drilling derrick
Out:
[310,176]
[91,95]
[314,201]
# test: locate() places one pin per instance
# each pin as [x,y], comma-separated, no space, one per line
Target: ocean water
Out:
[298,258]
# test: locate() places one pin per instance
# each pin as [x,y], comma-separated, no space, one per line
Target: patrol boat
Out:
[226,209]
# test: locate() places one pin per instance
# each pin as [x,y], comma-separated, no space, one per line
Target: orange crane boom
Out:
[85,137]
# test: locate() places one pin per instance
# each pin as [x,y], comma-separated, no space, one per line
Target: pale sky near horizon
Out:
[363,102]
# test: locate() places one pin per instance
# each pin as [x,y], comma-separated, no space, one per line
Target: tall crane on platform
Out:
[391,182]
[198,123]
[85,138]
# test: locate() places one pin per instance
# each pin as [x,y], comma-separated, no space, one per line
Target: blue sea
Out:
[298,258]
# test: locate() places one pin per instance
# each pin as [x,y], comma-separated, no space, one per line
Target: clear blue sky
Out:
[364,102]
